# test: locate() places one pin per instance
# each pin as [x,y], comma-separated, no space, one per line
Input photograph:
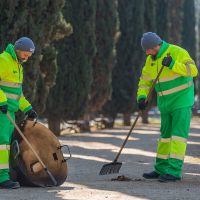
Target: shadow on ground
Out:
[90,151]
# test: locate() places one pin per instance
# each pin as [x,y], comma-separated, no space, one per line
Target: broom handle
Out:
[136,119]
[31,147]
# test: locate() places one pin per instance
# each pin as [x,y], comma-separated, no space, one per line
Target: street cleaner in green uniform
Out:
[12,99]
[175,98]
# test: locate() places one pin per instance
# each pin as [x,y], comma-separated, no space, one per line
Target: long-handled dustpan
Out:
[114,167]
[31,147]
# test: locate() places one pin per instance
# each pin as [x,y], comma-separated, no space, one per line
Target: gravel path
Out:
[91,151]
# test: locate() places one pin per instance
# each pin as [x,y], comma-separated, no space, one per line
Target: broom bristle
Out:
[111,168]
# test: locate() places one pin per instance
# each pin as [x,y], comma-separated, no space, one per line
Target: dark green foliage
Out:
[162,18]
[175,10]
[149,26]
[150,16]
[188,33]
[189,38]
[129,57]
[47,76]
[169,19]
[86,58]
[106,23]
[69,98]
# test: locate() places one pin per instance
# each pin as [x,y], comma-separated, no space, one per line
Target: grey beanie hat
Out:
[25,44]
[150,40]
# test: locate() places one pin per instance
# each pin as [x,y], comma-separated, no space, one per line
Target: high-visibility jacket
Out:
[175,88]
[11,78]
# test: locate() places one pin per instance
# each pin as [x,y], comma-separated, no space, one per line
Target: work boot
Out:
[168,178]
[151,175]
[9,185]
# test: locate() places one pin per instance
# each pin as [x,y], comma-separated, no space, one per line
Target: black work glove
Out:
[142,104]
[31,114]
[167,61]
[4,109]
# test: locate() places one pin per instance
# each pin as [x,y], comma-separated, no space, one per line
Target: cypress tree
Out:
[197,25]
[68,100]
[129,58]
[188,31]
[169,18]
[190,36]
[149,25]
[162,19]
[150,16]
[48,64]
[105,30]
[175,10]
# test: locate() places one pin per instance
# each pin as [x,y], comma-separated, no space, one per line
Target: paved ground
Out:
[92,150]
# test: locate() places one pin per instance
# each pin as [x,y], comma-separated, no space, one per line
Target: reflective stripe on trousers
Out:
[173,147]
[4,156]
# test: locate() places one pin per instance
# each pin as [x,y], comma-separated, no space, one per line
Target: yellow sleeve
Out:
[184,65]
[24,104]
[145,83]
[3,98]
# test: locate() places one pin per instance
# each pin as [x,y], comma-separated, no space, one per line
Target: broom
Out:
[114,167]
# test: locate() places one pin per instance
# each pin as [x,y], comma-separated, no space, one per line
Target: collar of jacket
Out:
[10,49]
[163,48]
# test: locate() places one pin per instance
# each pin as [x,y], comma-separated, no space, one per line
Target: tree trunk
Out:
[145,117]
[127,119]
[84,124]
[54,125]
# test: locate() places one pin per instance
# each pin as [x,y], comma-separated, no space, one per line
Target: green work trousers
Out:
[173,141]
[6,131]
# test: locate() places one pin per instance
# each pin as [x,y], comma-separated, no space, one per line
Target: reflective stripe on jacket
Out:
[175,87]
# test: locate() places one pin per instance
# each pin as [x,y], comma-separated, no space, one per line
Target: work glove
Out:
[4,109]
[31,114]
[167,61]
[142,104]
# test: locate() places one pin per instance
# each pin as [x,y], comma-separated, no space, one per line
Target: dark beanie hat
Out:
[150,40]
[25,44]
